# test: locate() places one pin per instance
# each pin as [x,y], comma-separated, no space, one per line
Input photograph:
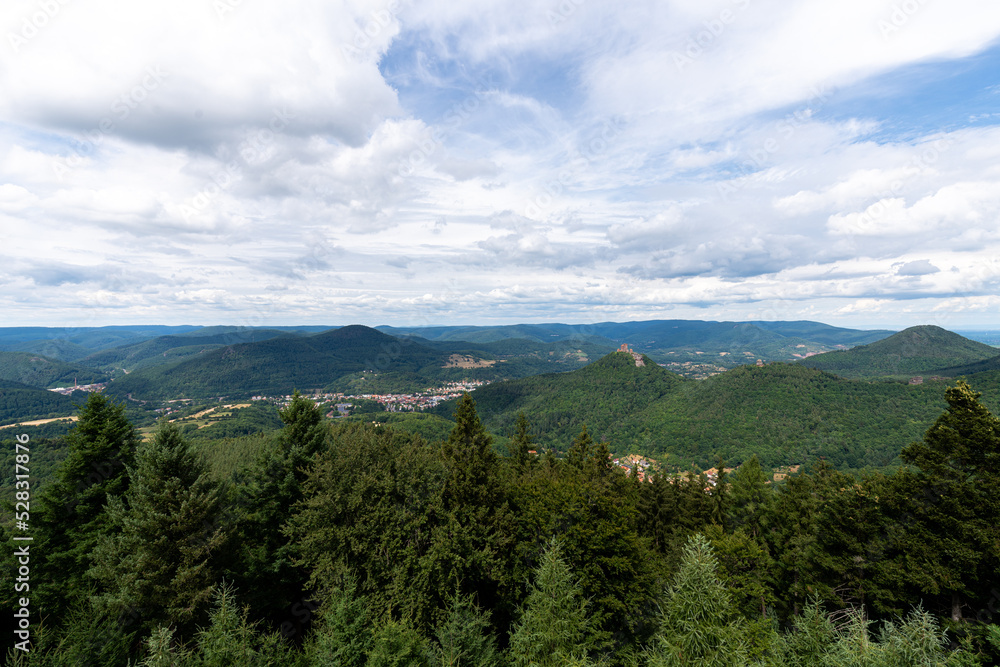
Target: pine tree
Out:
[464,639]
[750,497]
[520,444]
[71,520]
[945,544]
[698,624]
[263,500]
[344,635]
[399,645]
[159,561]
[482,525]
[579,451]
[231,639]
[554,624]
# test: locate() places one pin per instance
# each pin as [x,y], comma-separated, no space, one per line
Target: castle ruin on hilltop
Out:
[635,355]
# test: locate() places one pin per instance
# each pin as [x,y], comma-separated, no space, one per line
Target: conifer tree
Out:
[263,501]
[478,510]
[464,639]
[231,639]
[554,625]
[399,645]
[599,461]
[166,529]
[344,635]
[520,444]
[944,546]
[72,519]
[579,452]
[750,497]
[698,624]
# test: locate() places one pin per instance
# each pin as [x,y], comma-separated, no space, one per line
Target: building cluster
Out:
[643,467]
[66,391]
[340,403]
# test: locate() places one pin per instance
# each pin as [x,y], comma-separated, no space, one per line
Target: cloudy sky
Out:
[419,162]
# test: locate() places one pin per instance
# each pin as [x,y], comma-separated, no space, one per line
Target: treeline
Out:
[354,544]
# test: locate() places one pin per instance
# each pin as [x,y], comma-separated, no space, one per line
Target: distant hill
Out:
[71,341]
[173,348]
[784,413]
[921,350]
[278,365]
[984,366]
[38,371]
[604,395]
[694,348]
[353,359]
[23,403]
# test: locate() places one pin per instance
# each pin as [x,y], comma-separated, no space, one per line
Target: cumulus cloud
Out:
[390,161]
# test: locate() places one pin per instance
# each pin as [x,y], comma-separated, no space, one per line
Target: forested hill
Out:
[279,365]
[604,395]
[714,345]
[43,372]
[353,359]
[20,402]
[922,350]
[173,348]
[785,413]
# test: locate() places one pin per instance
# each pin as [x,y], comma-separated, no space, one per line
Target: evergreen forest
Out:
[356,543]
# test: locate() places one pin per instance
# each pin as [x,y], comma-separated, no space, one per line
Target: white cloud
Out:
[382,160]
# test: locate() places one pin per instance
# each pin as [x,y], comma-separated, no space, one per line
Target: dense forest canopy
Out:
[354,543]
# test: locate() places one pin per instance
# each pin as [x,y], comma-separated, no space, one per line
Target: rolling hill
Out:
[785,413]
[353,359]
[173,348]
[921,350]
[38,371]
[693,348]
[71,343]
[20,402]
[278,365]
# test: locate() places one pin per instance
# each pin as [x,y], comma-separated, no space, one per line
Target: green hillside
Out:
[785,413]
[71,339]
[984,366]
[167,349]
[278,365]
[43,372]
[351,359]
[921,350]
[603,395]
[824,333]
[693,348]
[19,402]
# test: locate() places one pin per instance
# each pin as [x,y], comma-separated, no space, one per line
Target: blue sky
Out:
[418,163]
